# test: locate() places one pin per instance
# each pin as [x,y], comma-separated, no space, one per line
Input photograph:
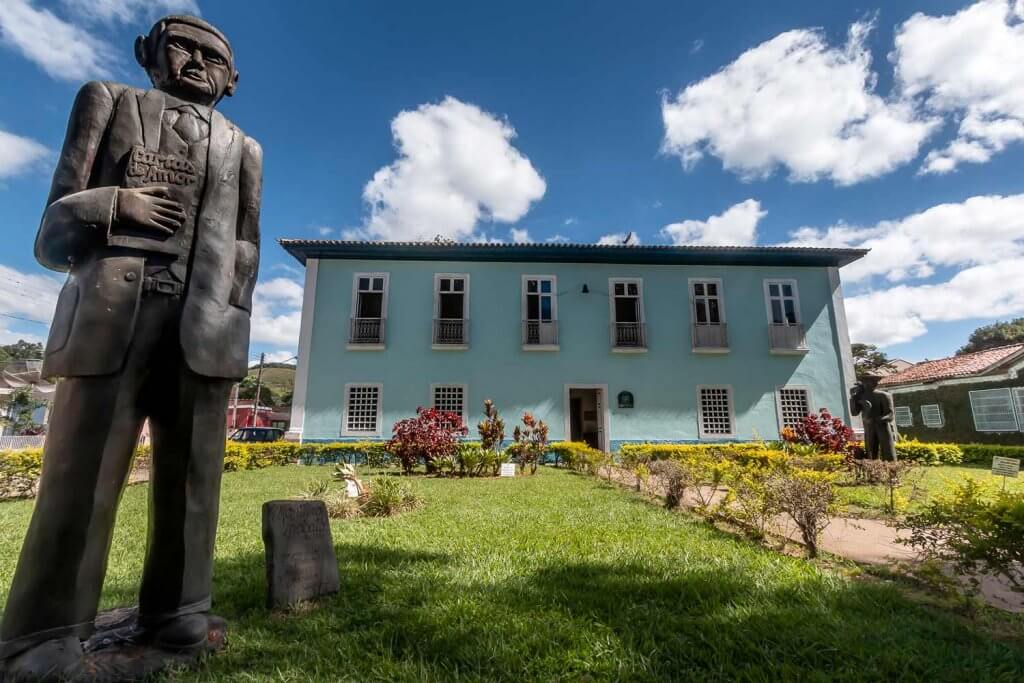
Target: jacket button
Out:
[130,276]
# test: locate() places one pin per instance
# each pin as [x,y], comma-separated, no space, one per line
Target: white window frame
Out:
[345,409]
[355,293]
[937,411]
[639,282]
[437,293]
[907,411]
[554,307]
[717,281]
[465,397]
[1017,394]
[1013,410]
[778,401]
[700,412]
[796,298]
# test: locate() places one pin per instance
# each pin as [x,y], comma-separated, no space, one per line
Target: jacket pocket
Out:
[63,317]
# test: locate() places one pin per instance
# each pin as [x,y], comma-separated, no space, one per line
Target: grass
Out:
[556,577]
[922,486]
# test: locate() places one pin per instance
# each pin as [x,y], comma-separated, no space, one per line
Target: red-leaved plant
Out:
[827,433]
[432,434]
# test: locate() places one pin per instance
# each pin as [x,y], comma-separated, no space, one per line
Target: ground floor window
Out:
[904,416]
[450,398]
[931,415]
[794,406]
[362,409]
[715,418]
[994,410]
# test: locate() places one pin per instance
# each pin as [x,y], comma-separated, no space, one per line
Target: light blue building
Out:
[607,344]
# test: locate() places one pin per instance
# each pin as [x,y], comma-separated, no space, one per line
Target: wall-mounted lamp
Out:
[586,290]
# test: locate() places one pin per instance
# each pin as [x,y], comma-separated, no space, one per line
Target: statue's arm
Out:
[247,244]
[855,401]
[77,217]
[888,413]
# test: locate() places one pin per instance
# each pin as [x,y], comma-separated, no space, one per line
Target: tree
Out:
[17,412]
[247,390]
[867,357]
[22,350]
[999,333]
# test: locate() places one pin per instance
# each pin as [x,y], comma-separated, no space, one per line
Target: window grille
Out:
[450,398]
[904,416]
[794,405]
[716,411]
[931,415]
[362,413]
[993,411]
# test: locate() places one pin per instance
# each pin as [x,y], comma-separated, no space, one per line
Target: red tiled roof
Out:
[967,365]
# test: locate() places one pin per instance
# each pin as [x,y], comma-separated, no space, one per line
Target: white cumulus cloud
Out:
[127,11]
[969,65]
[62,49]
[736,226]
[27,301]
[277,312]
[456,167]
[618,238]
[955,261]
[799,103]
[520,235]
[18,154]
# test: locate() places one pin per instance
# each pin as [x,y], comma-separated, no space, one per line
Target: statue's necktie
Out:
[189,127]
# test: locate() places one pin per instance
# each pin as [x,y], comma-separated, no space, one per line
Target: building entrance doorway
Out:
[586,411]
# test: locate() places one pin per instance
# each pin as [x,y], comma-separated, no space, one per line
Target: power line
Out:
[27,320]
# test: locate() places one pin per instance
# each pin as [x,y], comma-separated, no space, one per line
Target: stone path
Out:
[866,541]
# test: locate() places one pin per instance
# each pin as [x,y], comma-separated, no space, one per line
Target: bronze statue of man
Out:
[154,214]
[876,410]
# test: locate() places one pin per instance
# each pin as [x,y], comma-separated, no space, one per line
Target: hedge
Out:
[984,452]
[20,469]
[917,451]
[930,453]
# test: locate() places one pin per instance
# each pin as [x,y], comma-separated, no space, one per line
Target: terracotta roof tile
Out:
[967,365]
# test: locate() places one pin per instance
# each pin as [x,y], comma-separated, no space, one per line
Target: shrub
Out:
[973,528]
[984,452]
[19,472]
[889,474]
[387,497]
[829,434]
[491,429]
[929,453]
[751,503]
[530,442]
[676,480]
[808,497]
[432,434]
[577,455]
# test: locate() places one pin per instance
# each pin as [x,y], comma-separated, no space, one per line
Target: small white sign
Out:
[508,469]
[1007,467]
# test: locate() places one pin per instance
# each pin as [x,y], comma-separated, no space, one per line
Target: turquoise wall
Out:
[663,380]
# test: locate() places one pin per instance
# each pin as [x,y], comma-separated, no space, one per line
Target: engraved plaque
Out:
[301,564]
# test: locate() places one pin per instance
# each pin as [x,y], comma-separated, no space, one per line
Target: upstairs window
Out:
[794,405]
[904,416]
[783,302]
[362,409]
[931,415]
[450,294]
[369,308]
[707,302]
[627,310]
[540,311]
[715,413]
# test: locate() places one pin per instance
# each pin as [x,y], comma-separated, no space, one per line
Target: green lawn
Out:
[558,577]
[921,486]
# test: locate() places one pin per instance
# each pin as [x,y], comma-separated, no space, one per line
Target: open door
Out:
[586,415]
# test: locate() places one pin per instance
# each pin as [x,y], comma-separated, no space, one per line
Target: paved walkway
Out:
[866,541]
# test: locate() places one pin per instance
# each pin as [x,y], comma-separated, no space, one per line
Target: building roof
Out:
[968,365]
[570,253]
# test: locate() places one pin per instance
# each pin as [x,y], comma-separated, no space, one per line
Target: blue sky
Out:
[729,122]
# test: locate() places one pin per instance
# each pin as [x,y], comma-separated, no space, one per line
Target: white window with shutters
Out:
[793,404]
[1018,403]
[362,414]
[994,410]
[715,418]
[450,398]
[931,415]
[904,416]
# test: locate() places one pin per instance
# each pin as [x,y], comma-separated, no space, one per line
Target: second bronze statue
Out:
[154,213]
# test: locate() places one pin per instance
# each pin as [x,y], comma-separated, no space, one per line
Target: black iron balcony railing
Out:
[629,335]
[451,331]
[786,337]
[366,331]
[540,333]
[710,336]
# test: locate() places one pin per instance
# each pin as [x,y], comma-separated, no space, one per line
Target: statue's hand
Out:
[149,208]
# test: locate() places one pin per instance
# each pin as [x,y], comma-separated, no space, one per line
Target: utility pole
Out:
[234,408]
[259,382]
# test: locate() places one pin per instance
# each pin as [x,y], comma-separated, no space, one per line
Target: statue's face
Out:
[193,64]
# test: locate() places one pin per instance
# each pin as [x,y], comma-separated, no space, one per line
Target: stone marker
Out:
[301,564]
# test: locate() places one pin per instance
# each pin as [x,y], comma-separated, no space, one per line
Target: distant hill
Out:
[280,377]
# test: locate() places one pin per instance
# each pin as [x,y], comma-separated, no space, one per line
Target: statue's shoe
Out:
[187,633]
[50,660]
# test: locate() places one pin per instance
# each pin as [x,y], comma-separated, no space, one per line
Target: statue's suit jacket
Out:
[95,316]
